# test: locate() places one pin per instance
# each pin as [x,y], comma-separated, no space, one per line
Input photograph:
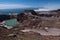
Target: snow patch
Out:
[51,31]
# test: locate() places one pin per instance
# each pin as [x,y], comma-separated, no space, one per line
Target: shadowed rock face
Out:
[23,16]
[20,17]
[4,17]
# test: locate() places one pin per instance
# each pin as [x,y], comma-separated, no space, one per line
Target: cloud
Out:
[52,6]
[10,6]
[48,7]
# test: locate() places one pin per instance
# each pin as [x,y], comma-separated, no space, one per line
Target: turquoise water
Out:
[11,22]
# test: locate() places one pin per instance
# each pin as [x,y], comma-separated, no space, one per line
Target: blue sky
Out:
[29,3]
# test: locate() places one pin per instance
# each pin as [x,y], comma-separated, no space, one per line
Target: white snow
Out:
[8,27]
[51,31]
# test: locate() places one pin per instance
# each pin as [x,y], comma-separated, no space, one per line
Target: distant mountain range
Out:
[18,10]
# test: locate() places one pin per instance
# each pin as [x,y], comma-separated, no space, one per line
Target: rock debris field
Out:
[33,27]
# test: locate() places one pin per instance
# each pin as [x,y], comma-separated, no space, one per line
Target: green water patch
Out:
[11,22]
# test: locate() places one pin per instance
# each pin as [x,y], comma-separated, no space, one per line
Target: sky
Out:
[51,4]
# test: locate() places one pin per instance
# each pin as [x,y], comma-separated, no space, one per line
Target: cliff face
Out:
[29,19]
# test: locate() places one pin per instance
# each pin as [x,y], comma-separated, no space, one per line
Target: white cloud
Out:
[49,7]
[52,6]
[10,6]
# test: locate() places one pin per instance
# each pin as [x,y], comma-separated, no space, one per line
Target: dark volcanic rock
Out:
[4,17]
